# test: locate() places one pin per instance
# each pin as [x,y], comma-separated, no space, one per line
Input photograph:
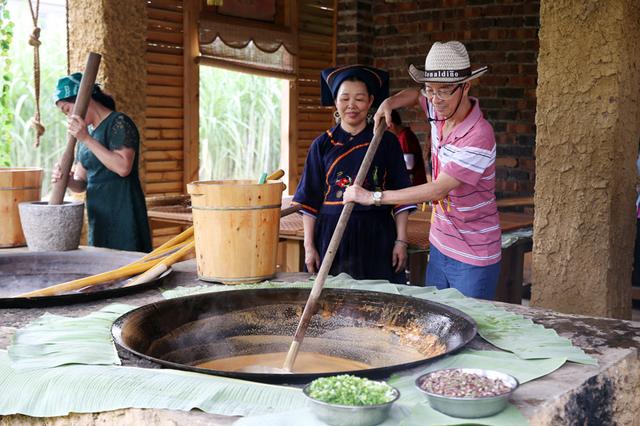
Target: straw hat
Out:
[446,63]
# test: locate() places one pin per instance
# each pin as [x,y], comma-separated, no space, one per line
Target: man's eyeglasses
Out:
[444,94]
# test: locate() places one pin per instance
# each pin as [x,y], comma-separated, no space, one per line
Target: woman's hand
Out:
[311,259]
[357,194]
[77,177]
[399,256]
[77,127]
[56,173]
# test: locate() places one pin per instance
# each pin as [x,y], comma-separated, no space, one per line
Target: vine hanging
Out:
[34,40]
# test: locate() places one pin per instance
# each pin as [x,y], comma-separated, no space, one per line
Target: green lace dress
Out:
[116,208]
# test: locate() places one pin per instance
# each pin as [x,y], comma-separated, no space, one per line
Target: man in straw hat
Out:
[465,231]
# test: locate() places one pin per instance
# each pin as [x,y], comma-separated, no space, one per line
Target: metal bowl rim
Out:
[420,378]
[395,390]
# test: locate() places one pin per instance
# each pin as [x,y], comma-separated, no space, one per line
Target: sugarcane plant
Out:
[239,124]
[6,115]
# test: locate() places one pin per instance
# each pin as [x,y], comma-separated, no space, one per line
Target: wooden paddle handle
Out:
[80,108]
[312,302]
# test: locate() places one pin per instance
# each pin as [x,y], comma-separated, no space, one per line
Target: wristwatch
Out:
[377,197]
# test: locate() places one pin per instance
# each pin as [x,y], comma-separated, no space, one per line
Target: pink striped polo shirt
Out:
[469,231]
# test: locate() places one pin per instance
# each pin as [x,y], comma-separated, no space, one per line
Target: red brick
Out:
[502,36]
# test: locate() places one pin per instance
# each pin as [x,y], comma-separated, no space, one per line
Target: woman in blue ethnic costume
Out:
[107,168]
[374,245]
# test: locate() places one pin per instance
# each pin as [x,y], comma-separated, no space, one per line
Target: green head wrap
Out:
[68,86]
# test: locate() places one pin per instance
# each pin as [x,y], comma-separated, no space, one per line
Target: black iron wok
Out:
[381,330]
[28,271]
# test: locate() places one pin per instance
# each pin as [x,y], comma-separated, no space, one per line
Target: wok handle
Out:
[79,108]
[312,302]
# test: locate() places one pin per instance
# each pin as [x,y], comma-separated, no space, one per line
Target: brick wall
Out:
[391,34]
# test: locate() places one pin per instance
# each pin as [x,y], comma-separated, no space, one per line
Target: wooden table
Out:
[515,202]
[509,286]
[291,248]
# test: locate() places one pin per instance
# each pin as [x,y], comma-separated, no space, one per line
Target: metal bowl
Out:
[470,407]
[350,415]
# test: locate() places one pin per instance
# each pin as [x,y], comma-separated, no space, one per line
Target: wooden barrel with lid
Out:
[236,225]
[17,184]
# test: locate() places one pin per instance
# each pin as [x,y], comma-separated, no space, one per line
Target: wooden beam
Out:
[289,145]
[191,87]
[163,166]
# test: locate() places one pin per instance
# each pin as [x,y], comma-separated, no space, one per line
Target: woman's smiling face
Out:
[353,102]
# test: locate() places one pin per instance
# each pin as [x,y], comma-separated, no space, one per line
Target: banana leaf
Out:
[61,390]
[54,340]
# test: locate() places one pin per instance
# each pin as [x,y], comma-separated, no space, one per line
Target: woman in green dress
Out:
[107,168]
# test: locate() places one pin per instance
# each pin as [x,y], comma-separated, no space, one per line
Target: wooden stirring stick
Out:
[327,261]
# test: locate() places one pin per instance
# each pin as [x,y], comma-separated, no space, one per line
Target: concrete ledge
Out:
[574,394]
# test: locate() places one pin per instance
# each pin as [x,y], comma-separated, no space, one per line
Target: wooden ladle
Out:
[312,302]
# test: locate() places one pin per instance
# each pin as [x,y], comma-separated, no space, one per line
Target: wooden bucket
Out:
[236,224]
[17,184]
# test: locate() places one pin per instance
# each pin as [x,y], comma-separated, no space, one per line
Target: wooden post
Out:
[79,108]
[191,87]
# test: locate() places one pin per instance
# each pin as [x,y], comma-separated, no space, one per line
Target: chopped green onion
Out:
[350,390]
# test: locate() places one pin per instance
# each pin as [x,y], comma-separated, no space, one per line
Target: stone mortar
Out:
[51,227]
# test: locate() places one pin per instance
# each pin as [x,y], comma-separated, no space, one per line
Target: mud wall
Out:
[588,129]
[116,30]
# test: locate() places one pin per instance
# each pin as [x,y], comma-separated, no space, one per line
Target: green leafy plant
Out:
[239,124]
[6,116]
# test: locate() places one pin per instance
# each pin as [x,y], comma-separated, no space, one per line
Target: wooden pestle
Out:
[312,302]
[79,108]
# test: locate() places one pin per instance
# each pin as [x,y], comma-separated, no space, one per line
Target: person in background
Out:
[410,148]
[374,244]
[465,235]
[635,276]
[107,168]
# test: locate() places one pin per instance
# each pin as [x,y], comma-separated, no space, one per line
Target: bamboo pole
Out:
[164,252]
[183,236]
[158,269]
[123,272]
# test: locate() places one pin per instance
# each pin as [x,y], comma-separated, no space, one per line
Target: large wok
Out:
[28,271]
[382,330]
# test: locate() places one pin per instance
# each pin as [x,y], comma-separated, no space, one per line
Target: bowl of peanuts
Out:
[467,392]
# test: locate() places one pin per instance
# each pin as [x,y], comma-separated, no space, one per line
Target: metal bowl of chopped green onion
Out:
[347,400]
[467,392]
